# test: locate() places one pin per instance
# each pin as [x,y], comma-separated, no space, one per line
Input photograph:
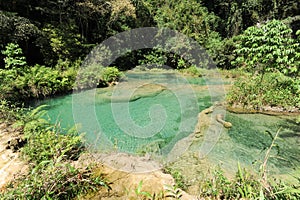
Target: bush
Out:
[14,56]
[96,76]
[110,74]
[10,112]
[269,48]
[50,180]
[193,70]
[51,173]
[275,89]
[21,82]
[47,142]
[35,82]
[154,57]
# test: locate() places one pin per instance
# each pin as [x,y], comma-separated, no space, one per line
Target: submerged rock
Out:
[126,92]
[203,122]
[219,118]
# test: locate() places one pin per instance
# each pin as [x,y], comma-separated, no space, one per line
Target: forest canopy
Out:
[44,42]
[51,31]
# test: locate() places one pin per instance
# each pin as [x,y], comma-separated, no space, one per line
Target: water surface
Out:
[151,112]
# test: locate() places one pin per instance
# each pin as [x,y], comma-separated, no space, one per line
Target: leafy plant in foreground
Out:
[49,180]
[47,142]
[52,174]
[170,193]
[179,179]
[140,194]
[174,193]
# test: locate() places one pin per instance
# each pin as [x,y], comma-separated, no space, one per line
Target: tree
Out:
[269,47]
[14,56]
[16,29]
[190,18]
[187,17]
[60,44]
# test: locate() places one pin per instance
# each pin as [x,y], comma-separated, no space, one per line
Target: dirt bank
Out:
[10,162]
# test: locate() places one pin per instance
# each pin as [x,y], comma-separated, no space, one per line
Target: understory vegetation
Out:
[250,185]
[247,183]
[23,82]
[274,90]
[50,154]
[246,186]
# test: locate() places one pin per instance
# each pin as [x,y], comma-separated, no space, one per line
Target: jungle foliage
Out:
[272,57]
[259,36]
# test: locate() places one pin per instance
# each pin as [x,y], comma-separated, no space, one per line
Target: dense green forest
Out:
[50,32]
[43,44]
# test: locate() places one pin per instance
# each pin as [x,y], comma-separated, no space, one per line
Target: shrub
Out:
[96,76]
[35,82]
[10,112]
[192,70]
[275,89]
[47,142]
[269,48]
[51,173]
[50,180]
[14,56]
[154,57]
[110,74]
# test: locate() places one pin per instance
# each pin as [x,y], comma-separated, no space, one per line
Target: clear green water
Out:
[248,139]
[245,142]
[174,116]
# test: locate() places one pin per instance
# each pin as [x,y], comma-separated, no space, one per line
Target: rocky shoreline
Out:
[122,183]
[267,110]
[11,164]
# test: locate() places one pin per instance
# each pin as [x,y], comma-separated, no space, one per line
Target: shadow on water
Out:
[249,134]
[292,128]
[244,132]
